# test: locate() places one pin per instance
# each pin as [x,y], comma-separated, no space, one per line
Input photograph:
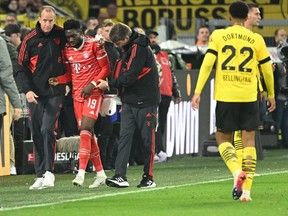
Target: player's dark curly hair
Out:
[71,24]
[239,10]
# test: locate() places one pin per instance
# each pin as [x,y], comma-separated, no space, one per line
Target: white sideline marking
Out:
[129,192]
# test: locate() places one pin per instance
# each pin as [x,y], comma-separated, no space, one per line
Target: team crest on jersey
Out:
[164,61]
[85,55]
[57,41]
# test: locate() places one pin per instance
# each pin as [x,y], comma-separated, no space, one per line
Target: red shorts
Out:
[90,107]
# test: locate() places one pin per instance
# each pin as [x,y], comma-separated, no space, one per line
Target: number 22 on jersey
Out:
[230,63]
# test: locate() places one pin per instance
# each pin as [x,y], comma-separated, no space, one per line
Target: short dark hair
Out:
[119,31]
[107,22]
[12,14]
[90,18]
[239,10]
[90,32]
[252,5]
[97,27]
[277,31]
[71,24]
[201,27]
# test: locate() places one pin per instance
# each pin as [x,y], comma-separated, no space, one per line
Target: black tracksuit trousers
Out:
[43,117]
[145,120]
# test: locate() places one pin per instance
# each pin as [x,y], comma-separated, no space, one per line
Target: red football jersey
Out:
[86,64]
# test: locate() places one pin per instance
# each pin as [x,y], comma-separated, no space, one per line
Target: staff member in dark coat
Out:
[40,58]
[140,96]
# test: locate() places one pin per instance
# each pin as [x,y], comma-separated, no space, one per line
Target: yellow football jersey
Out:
[238,51]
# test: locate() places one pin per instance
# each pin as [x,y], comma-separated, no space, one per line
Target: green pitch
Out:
[185,186]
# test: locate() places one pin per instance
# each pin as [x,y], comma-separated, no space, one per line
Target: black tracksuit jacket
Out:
[40,58]
[138,76]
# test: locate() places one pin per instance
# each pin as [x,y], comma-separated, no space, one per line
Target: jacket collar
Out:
[41,33]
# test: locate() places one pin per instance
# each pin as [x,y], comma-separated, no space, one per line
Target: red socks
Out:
[95,155]
[85,149]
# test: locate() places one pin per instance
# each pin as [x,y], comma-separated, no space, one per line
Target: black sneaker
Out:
[117,181]
[146,183]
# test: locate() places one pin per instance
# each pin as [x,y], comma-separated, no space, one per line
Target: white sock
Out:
[101,173]
[81,173]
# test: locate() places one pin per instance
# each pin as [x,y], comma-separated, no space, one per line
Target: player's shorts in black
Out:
[233,116]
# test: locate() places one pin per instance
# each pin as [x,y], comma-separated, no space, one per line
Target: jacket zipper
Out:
[50,52]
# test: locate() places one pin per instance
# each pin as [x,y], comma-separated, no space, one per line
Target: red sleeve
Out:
[65,78]
[103,61]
